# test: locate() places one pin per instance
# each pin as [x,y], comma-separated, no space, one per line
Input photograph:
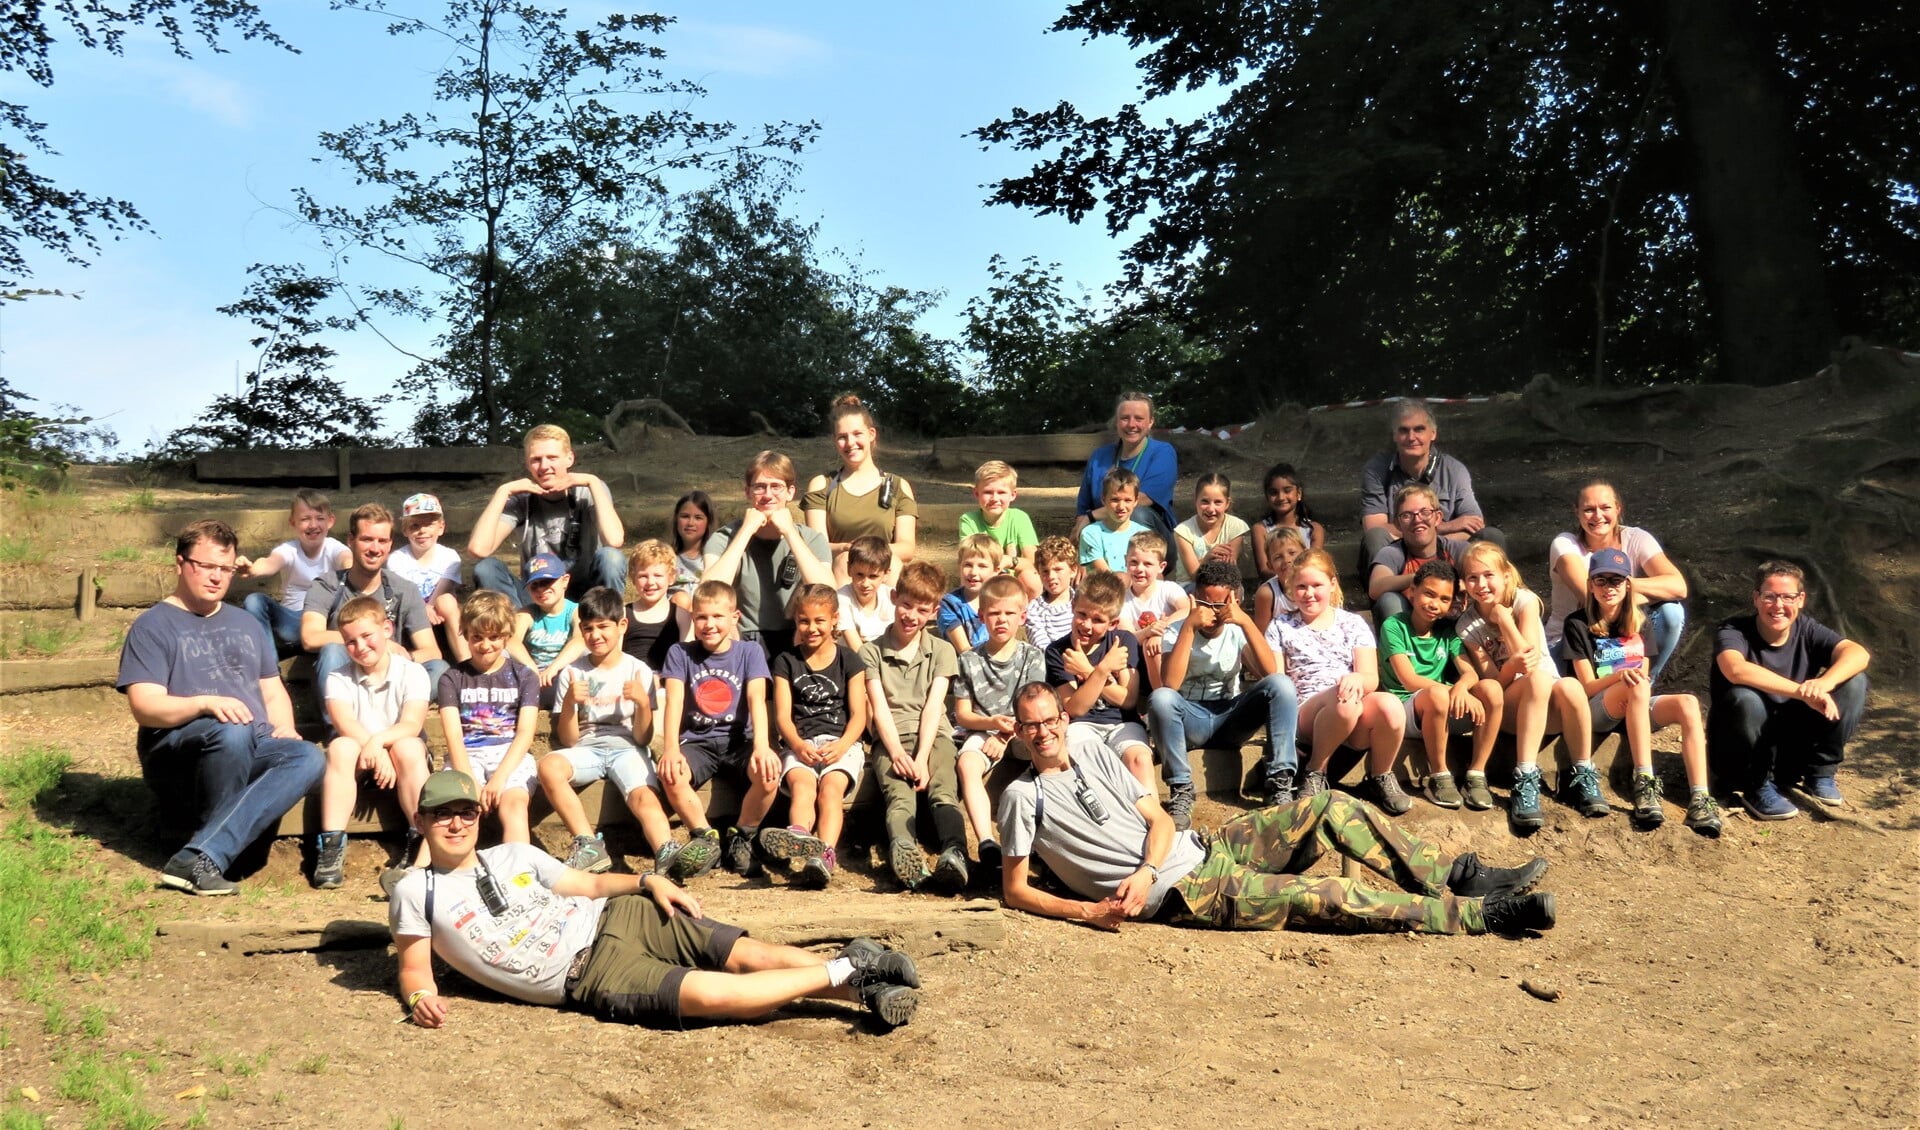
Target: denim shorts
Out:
[628,766]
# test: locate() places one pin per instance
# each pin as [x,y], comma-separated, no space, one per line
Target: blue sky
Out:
[209,147]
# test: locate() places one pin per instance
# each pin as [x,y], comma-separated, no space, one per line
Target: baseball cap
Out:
[545,567]
[448,786]
[419,504]
[1609,562]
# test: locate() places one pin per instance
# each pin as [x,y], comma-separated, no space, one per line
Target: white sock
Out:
[839,970]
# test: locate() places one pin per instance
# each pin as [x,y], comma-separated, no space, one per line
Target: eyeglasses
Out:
[1609,581]
[1215,605]
[462,815]
[210,567]
[1780,597]
[1042,724]
[1418,515]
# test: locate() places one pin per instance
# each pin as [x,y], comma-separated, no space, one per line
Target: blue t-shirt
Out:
[1103,713]
[1158,466]
[489,702]
[1098,543]
[716,688]
[549,633]
[226,654]
[956,612]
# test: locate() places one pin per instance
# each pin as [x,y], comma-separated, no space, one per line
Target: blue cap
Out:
[1609,562]
[545,567]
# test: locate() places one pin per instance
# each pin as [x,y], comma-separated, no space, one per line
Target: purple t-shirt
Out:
[1103,713]
[716,688]
[227,654]
[489,704]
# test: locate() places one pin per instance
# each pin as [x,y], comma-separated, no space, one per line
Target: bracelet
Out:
[414,998]
[1152,868]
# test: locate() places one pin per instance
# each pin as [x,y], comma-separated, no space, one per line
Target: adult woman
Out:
[1135,449]
[1599,514]
[860,499]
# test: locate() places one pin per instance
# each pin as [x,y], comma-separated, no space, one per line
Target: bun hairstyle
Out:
[847,404]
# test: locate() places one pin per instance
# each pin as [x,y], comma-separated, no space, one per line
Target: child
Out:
[1214,532]
[866,600]
[655,622]
[1416,514]
[983,703]
[489,704]
[1051,616]
[692,529]
[308,554]
[1286,510]
[1609,658]
[908,670]
[1422,665]
[377,707]
[714,722]
[1502,633]
[995,487]
[1284,544]
[546,633]
[1152,603]
[959,620]
[820,708]
[1094,669]
[432,567]
[1103,544]
[602,721]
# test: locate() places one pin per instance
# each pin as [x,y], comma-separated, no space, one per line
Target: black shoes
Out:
[1471,878]
[1516,914]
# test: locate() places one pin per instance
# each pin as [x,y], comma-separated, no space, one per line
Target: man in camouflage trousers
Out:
[1105,836]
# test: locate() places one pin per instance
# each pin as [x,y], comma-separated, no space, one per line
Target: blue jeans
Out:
[608,568]
[1180,724]
[228,781]
[1751,738]
[333,657]
[283,623]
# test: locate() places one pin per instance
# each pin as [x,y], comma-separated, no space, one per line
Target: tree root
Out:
[654,404]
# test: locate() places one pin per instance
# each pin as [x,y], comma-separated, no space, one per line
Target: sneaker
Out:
[909,863]
[330,861]
[1313,784]
[589,854]
[1583,792]
[1480,798]
[194,873]
[737,852]
[1516,914]
[663,859]
[1471,878]
[1826,791]
[874,963]
[1386,793]
[892,1004]
[1647,814]
[1180,800]
[1703,814]
[791,842]
[1523,809]
[390,878]
[1766,803]
[696,857]
[1278,789]
[949,872]
[1441,790]
[988,873]
[816,871]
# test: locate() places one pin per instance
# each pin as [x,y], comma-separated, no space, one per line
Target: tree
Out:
[34,209]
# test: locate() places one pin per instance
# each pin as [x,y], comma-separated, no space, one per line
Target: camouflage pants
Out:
[1251,877]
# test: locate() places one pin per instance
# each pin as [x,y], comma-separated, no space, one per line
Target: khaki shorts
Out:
[639,958]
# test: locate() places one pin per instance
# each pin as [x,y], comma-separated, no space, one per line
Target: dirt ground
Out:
[1767,977]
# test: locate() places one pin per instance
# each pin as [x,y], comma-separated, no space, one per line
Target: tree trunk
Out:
[1761,262]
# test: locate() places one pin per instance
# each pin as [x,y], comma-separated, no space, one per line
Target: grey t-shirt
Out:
[567,525]
[989,685]
[768,576]
[1091,857]
[330,593]
[227,653]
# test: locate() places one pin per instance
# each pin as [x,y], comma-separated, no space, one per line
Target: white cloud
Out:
[746,49]
[222,99]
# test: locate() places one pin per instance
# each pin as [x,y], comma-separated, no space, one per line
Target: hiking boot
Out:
[330,861]
[694,858]
[1523,809]
[988,873]
[1441,790]
[1516,914]
[790,843]
[1278,789]
[949,872]
[1480,798]
[663,859]
[196,874]
[1471,878]
[390,879]
[1703,814]
[874,963]
[816,872]
[589,854]
[1764,802]
[1647,814]
[1583,792]
[1180,800]
[1313,784]
[1387,795]
[892,1004]
[909,863]
[1826,791]
[737,851]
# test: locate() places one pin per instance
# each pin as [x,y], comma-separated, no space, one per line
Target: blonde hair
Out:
[1497,557]
[715,592]
[1410,490]
[1148,542]
[1105,591]
[486,615]
[360,608]
[1294,534]
[653,551]
[1631,618]
[1322,560]
[995,471]
[979,545]
[1000,588]
[540,433]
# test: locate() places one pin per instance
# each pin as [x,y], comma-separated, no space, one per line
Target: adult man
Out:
[558,510]
[767,554]
[370,538]
[1414,458]
[632,948]
[1104,835]
[1787,695]
[216,743]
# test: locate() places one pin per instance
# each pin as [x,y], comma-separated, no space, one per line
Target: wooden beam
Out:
[967,452]
[24,676]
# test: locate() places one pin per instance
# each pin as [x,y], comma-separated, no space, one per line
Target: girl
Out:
[1504,638]
[820,711]
[692,530]
[1284,545]
[1286,507]
[1333,661]
[1214,532]
[1609,657]
[1598,513]
[860,498]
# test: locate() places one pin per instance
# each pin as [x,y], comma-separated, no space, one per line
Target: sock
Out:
[839,969]
[950,827]
[1447,775]
[1696,790]
[1477,775]
[1588,763]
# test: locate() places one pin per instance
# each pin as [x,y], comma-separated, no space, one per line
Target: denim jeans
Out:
[1751,738]
[283,623]
[333,657]
[1181,724]
[228,781]
[608,567]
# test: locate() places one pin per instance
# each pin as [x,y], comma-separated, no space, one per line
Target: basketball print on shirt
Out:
[715,693]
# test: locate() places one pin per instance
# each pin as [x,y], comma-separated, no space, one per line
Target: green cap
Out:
[446,787]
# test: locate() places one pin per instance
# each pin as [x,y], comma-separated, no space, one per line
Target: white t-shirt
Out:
[442,563]
[376,703]
[1213,667]
[1231,526]
[1639,546]
[608,712]
[870,625]
[1143,615]
[298,570]
[1283,604]
[1476,630]
[1318,659]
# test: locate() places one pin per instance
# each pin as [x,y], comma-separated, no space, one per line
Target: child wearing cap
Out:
[432,567]
[546,633]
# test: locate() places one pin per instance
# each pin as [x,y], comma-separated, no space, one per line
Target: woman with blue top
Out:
[1134,448]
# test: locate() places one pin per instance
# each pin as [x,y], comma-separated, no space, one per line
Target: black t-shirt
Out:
[819,695]
[649,642]
[1103,713]
[1808,650]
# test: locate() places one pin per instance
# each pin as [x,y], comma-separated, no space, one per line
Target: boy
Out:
[655,620]
[959,620]
[714,722]
[983,704]
[489,705]
[378,708]
[370,530]
[866,601]
[558,510]
[1423,664]
[433,567]
[601,726]
[308,554]
[1152,601]
[908,670]
[995,486]
[1416,513]
[546,631]
[1094,672]
[1103,544]
[1051,616]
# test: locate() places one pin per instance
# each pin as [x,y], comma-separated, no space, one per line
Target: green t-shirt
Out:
[1014,530]
[1432,655]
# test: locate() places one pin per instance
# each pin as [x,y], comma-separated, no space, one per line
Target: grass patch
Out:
[17,1117]
[117,1095]
[313,1065]
[20,549]
[30,638]
[139,502]
[124,553]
